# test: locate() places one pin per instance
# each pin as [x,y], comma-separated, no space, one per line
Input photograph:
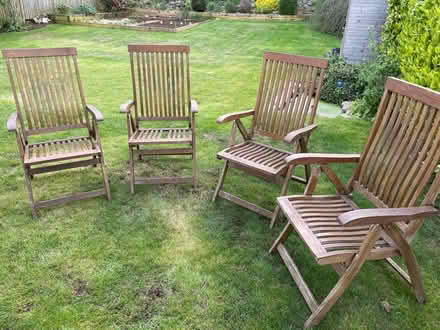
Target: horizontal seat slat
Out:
[257,156]
[58,150]
[161,136]
[315,218]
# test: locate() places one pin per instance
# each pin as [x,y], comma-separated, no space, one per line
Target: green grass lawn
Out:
[167,257]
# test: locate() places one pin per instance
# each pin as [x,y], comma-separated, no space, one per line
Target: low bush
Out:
[214,7]
[198,5]
[330,16]
[341,81]
[372,76]
[267,6]
[114,5]
[84,9]
[288,7]
[231,6]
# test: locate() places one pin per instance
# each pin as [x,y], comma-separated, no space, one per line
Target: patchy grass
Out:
[167,257]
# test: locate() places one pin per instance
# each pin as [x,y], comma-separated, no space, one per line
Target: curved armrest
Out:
[194,106]
[95,112]
[385,215]
[126,107]
[292,136]
[310,158]
[12,122]
[234,116]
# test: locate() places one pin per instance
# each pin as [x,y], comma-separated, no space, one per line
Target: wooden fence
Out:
[26,9]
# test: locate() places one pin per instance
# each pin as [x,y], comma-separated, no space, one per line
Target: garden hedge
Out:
[411,35]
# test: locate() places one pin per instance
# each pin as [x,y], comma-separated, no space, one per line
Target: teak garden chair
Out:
[395,167]
[49,98]
[287,98]
[161,92]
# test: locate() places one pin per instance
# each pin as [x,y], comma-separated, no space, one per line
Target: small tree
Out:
[245,6]
[198,5]
[288,7]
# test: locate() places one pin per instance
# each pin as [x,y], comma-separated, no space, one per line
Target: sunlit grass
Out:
[167,257]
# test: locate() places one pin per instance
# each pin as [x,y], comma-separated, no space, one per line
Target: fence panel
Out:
[27,9]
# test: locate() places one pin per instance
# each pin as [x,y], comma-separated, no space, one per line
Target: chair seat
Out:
[257,156]
[161,135]
[315,220]
[57,150]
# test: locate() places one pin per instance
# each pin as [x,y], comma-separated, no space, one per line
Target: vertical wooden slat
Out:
[188,90]
[140,103]
[182,81]
[27,106]
[133,81]
[61,91]
[173,84]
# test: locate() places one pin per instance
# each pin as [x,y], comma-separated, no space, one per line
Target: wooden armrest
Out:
[311,158]
[292,136]
[126,107]
[234,116]
[385,215]
[12,122]
[95,112]
[194,106]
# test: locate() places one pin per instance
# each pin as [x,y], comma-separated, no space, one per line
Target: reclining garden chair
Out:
[161,92]
[393,171]
[49,98]
[288,96]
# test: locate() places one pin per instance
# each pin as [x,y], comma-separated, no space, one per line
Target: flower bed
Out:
[133,22]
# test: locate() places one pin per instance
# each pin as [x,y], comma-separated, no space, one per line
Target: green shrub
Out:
[10,21]
[114,5]
[198,5]
[63,9]
[288,7]
[372,76]
[330,16]
[341,81]
[267,6]
[84,9]
[214,7]
[230,6]
[411,36]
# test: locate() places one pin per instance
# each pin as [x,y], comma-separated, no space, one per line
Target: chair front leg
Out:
[303,148]
[346,278]
[132,179]
[282,193]
[221,180]
[410,260]
[27,180]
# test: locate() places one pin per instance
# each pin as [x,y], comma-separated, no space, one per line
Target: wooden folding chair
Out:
[161,92]
[49,98]
[395,167]
[288,96]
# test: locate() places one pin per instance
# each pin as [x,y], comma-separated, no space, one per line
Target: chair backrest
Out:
[161,81]
[47,89]
[288,95]
[403,149]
